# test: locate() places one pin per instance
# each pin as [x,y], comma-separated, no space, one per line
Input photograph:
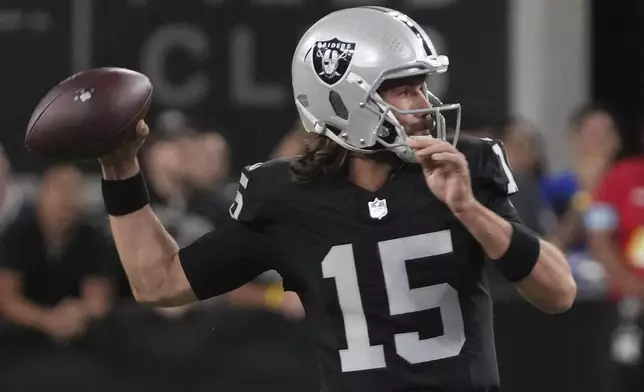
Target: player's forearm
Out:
[550,286]
[490,230]
[144,246]
[146,251]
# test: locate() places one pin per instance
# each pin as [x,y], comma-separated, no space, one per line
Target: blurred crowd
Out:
[63,294]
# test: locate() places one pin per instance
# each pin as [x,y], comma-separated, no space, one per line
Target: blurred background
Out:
[560,82]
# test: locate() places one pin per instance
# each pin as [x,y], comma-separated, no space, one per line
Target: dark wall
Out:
[226,63]
[618,62]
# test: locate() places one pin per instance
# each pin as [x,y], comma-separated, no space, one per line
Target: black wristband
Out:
[522,254]
[122,197]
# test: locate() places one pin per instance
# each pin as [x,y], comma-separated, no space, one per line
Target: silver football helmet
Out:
[340,63]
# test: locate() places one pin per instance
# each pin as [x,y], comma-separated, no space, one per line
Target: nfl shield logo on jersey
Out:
[378,208]
[331,59]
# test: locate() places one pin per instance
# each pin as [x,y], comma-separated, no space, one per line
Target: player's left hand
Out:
[446,171]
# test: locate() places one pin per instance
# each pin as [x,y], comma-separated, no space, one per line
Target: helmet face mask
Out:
[437,124]
[342,62]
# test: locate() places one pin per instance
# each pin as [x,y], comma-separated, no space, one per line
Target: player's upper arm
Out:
[225,259]
[216,263]
[235,253]
[176,289]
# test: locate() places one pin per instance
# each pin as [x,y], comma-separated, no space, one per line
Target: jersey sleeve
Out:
[503,207]
[603,213]
[226,259]
[490,168]
[251,195]
[237,251]
[492,179]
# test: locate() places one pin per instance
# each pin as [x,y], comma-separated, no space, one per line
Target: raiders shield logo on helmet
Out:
[331,59]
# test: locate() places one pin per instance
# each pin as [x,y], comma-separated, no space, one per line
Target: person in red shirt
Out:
[615,223]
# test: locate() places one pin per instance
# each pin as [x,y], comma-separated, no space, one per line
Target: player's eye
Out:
[404,92]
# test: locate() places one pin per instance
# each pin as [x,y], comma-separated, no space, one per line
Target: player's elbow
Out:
[167,296]
[164,285]
[557,282]
[563,298]
[150,292]
[148,299]
[156,301]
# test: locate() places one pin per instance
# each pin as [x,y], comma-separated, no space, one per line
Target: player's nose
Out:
[422,102]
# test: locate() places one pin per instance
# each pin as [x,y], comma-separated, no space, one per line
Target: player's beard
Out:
[425,127]
[386,156]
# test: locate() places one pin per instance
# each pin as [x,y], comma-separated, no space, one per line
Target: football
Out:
[88,115]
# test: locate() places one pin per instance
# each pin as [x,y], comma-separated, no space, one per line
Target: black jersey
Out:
[393,285]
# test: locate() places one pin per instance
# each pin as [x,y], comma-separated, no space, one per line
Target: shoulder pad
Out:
[489,165]
[257,184]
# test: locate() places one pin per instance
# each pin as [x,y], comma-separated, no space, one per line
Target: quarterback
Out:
[382,227]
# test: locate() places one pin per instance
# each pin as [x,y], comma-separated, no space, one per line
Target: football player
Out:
[382,227]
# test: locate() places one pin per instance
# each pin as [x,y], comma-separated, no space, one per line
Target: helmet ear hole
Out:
[338,106]
[388,132]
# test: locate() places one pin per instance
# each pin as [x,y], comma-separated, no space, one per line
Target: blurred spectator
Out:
[597,142]
[54,269]
[163,161]
[10,197]
[521,144]
[208,159]
[479,125]
[206,172]
[615,223]
[169,122]
[189,173]
[198,168]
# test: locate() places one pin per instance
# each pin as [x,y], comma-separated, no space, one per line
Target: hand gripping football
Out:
[89,114]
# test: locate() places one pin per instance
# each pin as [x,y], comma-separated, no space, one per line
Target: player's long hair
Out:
[322,156]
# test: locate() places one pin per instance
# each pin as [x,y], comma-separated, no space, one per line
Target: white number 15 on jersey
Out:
[339,264]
